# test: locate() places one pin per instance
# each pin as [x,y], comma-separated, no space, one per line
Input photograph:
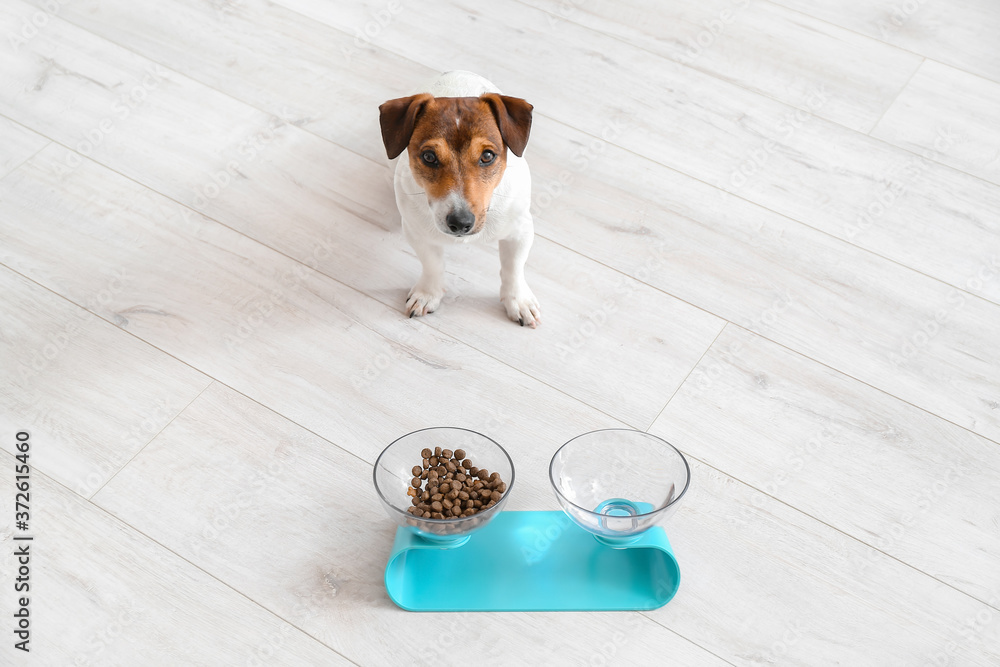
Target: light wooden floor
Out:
[767,231]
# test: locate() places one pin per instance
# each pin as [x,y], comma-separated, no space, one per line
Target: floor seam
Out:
[881,41]
[155,435]
[556,120]
[114,517]
[895,99]
[686,377]
[375,299]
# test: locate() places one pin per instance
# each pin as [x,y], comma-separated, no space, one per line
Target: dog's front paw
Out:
[522,307]
[423,300]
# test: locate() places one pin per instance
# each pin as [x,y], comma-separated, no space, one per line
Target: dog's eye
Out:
[429,158]
[487,157]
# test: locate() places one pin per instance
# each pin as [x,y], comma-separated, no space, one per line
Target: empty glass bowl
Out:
[618,483]
[393,473]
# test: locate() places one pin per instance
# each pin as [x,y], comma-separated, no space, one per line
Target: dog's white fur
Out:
[508,220]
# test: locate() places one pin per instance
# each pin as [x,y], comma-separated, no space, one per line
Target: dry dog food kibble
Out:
[448,486]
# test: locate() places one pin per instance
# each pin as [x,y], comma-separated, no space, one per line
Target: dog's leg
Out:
[515,295]
[425,297]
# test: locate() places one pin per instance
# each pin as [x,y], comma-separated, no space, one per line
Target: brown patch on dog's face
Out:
[458,157]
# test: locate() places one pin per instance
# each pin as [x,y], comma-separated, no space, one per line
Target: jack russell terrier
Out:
[464,180]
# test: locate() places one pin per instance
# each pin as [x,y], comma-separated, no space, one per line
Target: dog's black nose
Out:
[460,221]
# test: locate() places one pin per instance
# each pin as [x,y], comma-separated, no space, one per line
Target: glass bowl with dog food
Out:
[618,483]
[443,483]
[614,486]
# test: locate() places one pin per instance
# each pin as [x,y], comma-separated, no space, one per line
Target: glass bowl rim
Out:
[442,522]
[562,497]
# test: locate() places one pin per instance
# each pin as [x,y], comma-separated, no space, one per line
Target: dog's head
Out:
[457,150]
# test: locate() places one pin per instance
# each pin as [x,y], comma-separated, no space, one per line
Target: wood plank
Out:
[93,410]
[958,33]
[892,476]
[921,214]
[124,105]
[881,323]
[759,46]
[612,341]
[325,356]
[17,144]
[908,218]
[942,101]
[305,197]
[228,471]
[228,47]
[303,200]
[307,184]
[762,47]
[102,593]
[765,584]
[279,478]
[247,125]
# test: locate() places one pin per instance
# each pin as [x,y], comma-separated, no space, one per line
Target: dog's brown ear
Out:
[513,118]
[397,118]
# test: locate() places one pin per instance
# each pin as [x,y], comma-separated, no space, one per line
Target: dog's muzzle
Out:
[460,221]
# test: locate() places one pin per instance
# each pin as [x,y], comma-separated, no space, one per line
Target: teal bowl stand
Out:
[532,561]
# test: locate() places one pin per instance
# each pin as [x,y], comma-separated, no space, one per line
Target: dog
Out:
[464,179]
